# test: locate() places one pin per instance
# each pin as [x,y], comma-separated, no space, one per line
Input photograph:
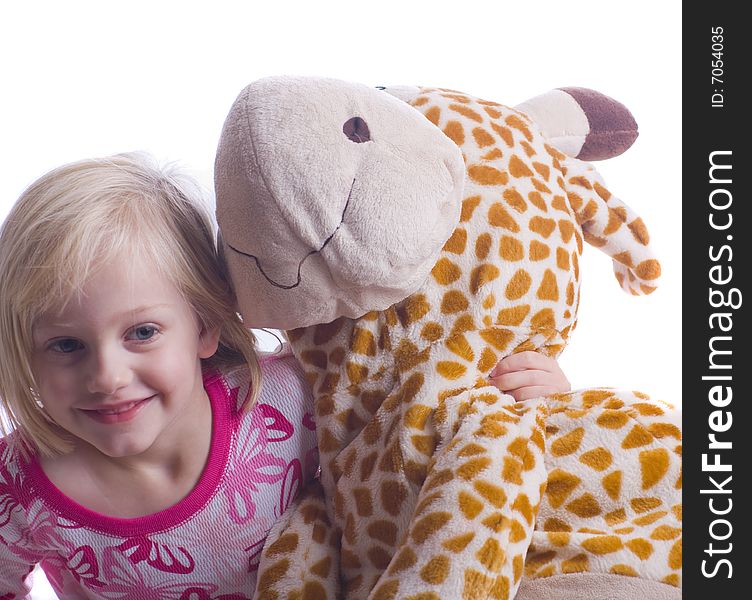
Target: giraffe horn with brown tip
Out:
[582,123]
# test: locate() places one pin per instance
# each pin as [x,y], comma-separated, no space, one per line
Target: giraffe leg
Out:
[300,558]
[613,501]
[479,501]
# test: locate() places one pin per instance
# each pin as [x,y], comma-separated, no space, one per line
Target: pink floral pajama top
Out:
[206,547]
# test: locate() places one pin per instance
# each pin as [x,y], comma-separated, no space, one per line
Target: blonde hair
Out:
[80,215]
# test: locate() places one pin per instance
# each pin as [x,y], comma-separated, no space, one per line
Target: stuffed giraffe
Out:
[407,239]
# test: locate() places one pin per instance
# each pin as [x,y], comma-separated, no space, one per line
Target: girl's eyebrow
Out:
[142,309]
[122,315]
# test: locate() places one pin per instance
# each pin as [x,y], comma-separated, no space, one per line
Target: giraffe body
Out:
[434,484]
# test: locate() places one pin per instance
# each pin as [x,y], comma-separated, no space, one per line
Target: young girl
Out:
[136,469]
[147,458]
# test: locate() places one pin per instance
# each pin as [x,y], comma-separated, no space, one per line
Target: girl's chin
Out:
[123,448]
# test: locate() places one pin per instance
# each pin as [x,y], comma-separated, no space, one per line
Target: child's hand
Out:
[528,375]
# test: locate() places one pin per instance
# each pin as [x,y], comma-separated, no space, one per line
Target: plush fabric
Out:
[591,586]
[582,122]
[434,484]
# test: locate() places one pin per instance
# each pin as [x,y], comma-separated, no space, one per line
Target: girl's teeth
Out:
[117,411]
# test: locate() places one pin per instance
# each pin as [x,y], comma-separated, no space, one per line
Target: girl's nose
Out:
[109,372]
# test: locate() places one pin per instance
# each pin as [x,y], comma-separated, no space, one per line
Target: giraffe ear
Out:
[582,123]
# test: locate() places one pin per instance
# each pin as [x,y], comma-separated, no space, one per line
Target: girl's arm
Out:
[18,556]
[286,388]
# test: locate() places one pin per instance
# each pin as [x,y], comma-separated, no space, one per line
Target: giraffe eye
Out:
[356,130]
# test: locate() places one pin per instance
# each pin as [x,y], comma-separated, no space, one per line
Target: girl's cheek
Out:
[59,373]
[169,366]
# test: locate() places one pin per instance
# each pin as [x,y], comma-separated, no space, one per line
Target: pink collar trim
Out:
[223,409]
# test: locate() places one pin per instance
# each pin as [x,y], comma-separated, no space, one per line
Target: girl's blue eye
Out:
[66,346]
[143,333]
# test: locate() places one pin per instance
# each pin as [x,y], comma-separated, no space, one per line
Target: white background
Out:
[80,79]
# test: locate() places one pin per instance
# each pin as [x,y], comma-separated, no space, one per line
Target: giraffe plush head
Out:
[336,199]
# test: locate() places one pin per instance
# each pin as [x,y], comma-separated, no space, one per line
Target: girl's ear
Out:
[208,341]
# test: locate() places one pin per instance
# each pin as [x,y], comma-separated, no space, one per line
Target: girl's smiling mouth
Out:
[117,413]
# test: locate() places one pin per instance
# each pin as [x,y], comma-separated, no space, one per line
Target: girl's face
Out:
[119,366]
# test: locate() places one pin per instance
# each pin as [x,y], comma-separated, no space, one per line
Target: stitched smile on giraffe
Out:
[312,252]
[336,209]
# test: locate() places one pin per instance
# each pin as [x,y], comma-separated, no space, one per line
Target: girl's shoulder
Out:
[12,461]
[283,352]
[283,382]
[10,449]
[283,379]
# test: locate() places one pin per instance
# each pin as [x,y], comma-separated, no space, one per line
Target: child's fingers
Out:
[532,391]
[524,360]
[520,379]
